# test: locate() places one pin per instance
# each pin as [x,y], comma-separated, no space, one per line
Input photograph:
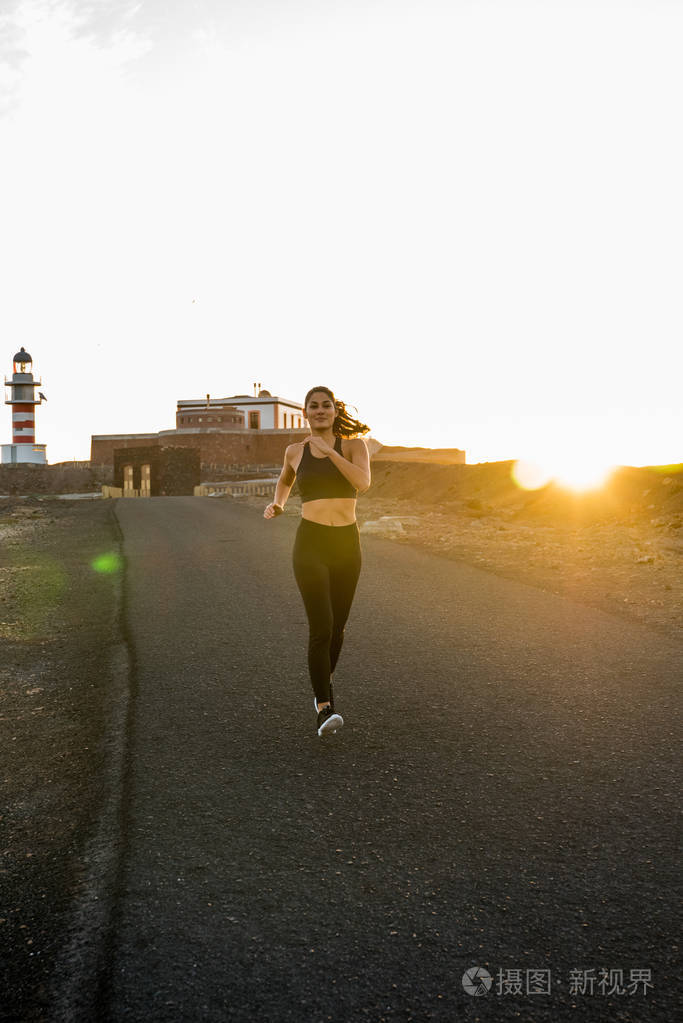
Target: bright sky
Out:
[465,217]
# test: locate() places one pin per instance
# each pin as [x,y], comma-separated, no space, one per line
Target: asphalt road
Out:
[502,795]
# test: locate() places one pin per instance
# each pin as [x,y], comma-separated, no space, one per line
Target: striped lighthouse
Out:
[22,398]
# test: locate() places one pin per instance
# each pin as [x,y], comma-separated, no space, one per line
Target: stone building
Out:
[237,430]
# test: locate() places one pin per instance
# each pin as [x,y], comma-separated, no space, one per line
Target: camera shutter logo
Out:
[477,981]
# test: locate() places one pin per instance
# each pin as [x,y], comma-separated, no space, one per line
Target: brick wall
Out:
[242,447]
[180,471]
[174,471]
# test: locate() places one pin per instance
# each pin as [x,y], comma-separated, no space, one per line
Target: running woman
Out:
[330,467]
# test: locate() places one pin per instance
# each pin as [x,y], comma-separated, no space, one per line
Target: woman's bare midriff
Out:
[328,511]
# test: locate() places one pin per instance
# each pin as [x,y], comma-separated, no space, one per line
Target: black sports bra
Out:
[319,478]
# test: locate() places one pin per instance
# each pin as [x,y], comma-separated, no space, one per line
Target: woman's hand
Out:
[320,446]
[272,510]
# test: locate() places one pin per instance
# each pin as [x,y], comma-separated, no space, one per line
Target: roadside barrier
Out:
[249,467]
[233,488]
[237,488]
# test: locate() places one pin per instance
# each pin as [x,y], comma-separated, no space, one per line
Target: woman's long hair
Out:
[344,424]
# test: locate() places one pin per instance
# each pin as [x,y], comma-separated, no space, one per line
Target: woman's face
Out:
[320,410]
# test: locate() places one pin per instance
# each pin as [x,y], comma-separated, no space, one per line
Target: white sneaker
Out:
[328,721]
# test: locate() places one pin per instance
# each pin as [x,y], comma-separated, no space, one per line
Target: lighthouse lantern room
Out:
[22,398]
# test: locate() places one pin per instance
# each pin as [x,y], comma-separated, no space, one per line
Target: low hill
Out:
[489,488]
[438,456]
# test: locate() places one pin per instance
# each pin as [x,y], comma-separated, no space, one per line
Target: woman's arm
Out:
[282,488]
[357,471]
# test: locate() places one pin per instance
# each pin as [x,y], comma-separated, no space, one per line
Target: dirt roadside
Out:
[58,624]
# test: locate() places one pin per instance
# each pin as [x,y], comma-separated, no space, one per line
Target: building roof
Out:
[239,399]
[22,356]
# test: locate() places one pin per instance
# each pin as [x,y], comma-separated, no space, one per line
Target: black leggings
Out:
[327,561]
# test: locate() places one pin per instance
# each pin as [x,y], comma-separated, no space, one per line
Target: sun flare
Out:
[574,472]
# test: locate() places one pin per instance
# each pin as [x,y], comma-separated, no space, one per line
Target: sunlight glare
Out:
[573,471]
[530,475]
[582,474]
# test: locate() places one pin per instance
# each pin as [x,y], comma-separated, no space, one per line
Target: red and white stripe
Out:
[23,424]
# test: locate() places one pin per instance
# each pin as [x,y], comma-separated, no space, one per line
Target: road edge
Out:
[81,969]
